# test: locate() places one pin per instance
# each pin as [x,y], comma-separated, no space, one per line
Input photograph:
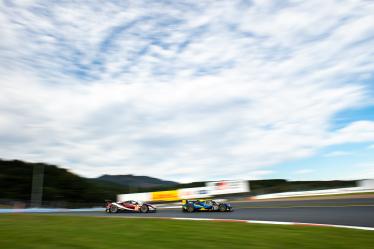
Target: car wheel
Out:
[113,209]
[190,209]
[222,208]
[144,209]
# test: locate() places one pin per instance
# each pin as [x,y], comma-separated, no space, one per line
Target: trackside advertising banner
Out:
[136,196]
[191,193]
[227,187]
[171,195]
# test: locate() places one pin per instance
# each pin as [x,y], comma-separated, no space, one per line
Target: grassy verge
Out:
[47,231]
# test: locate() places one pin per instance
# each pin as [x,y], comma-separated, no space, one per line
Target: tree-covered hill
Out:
[61,187]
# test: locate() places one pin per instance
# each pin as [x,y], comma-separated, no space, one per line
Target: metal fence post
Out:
[37,185]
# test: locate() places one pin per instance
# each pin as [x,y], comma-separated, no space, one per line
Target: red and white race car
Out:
[129,206]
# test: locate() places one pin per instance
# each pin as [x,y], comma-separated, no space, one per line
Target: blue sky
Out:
[187,90]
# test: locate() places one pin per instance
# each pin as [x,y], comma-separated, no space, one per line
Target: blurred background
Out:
[265,104]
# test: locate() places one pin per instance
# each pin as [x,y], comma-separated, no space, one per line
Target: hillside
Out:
[139,182]
[61,187]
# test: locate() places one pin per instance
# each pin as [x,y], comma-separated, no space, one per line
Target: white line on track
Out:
[247,221]
[279,223]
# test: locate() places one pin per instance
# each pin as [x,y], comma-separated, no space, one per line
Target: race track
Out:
[350,212]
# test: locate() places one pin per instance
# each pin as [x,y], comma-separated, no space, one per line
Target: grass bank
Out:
[46,231]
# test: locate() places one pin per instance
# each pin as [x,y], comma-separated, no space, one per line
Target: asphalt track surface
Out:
[350,212]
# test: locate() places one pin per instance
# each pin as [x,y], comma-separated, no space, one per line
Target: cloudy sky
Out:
[190,90]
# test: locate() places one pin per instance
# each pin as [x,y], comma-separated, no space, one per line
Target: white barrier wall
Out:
[191,193]
[227,187]
[135,196]
[369,183]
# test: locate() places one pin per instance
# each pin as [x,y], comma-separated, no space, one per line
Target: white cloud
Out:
[363,170]
[338,154]
[359,131]
[212,91]
[304,171]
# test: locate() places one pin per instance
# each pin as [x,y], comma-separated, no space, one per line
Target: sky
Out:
[190,90]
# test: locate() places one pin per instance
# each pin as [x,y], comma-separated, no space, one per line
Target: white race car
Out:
[129,206]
